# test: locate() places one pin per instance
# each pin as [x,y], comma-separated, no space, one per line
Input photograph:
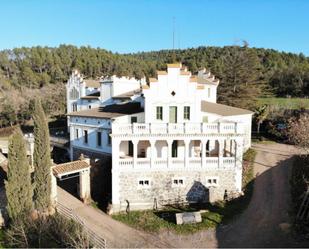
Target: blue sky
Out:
[141,25]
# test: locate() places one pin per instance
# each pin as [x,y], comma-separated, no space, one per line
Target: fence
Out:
[97,241]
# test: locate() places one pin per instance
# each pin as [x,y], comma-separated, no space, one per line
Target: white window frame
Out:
[177,185]
[77,133]
[212,179]
[143,186]
[84,137]
[108,138]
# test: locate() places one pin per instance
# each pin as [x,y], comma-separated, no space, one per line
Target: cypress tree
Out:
[41,160]
[18,185]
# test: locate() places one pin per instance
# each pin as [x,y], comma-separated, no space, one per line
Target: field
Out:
[286,103]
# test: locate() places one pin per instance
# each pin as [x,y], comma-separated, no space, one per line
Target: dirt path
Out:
[264,224]
[117,235]
[266,221]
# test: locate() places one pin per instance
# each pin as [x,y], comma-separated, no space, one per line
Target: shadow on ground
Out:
[266,222]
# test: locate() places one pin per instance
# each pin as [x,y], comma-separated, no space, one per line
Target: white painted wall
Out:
[186,94]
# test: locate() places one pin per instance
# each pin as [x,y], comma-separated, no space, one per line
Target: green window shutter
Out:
[159,114]
[186,113]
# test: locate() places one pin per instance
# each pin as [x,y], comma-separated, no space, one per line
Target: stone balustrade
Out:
[176,128]
[177,163]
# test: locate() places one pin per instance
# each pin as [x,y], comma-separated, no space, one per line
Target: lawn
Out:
[286,103]
[217,213]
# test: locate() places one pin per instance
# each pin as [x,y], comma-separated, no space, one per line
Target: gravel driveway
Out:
[265,223]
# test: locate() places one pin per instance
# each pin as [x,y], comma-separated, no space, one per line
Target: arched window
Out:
[74,94]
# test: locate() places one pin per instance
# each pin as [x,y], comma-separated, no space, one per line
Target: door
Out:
[175,148]
[173,114]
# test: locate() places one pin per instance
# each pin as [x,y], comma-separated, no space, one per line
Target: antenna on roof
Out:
[173,59]
[173,32]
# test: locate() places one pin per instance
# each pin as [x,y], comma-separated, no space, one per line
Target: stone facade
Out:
[162,190]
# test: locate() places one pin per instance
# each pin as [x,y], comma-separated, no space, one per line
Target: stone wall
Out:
[88,153]
[162,190]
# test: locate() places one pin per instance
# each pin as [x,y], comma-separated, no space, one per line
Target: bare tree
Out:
[298,132]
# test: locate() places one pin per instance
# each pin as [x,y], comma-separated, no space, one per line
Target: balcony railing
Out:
[177,128]
[193,162]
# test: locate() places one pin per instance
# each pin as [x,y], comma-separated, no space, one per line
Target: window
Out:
[85,136]
[144,183]
[89,107]
[99,138]
[177,182]
[159,114]
[212,181]
[109,138]
[208,92]
[133,120]
[76,134]
[186,113]
[205,119]
[74,107]
[74,94]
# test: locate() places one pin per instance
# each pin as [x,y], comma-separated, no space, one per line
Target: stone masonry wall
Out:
[91,154]
[162,189]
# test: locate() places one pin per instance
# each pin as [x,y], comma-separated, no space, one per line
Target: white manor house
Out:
[167,139]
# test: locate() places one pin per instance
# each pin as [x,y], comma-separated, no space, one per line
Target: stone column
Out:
[135,143]
[203,143]
[84,185]
[169,153]
[187,154]
[115,175]
[220,152]
[238,164]
[153,155]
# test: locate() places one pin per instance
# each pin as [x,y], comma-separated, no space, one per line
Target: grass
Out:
[154,221]
[286,103]
[262,140]
[217,213]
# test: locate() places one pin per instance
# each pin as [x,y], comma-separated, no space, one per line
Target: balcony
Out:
[177,163]
[177,128]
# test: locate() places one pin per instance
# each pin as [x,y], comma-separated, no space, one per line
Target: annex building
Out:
[167,139]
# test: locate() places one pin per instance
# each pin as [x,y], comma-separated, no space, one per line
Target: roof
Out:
[210,80]
[127,95]
[223,110]
[174,65]
[110,111]
[95,95]
[92,83]
[89,97]
[70,167]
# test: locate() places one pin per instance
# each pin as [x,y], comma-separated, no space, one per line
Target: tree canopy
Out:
[18,185]
[245,73]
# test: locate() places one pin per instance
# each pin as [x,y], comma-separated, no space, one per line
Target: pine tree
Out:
[241,83]
[41,160]
[18,185]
